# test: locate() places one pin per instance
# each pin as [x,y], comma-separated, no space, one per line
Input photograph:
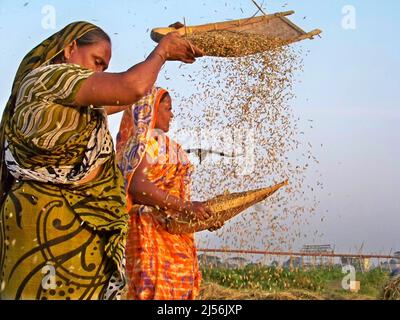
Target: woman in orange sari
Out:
[160,265]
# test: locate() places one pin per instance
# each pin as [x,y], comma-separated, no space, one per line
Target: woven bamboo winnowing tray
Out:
[272,26]
[225,207]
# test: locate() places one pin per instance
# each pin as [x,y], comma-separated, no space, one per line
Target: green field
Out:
[255,282]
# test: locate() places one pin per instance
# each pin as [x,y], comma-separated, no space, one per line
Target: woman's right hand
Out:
[173,47]
[200,210]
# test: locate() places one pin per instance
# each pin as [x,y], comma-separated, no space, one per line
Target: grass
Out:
[273,283]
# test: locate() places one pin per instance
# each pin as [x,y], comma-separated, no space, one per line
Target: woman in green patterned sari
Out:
[63,220]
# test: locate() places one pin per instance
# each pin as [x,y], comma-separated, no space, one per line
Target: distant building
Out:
[314,259]
[317,248]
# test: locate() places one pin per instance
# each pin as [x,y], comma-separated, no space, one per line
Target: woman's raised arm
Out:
[125,88]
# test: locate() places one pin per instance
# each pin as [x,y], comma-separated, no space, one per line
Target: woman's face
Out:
[95,56]
[164,113]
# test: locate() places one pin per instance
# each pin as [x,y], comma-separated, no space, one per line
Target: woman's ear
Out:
[69,50]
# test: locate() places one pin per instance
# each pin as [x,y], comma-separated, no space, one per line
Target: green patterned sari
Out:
[59,238]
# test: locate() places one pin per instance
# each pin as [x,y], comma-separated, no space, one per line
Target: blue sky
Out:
[349,88]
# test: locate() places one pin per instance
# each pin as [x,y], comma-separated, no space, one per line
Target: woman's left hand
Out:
[199,209]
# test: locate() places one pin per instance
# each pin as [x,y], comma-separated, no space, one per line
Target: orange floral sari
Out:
[160,265]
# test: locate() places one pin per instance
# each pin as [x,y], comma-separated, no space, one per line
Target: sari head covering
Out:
[136,129]
[39,56]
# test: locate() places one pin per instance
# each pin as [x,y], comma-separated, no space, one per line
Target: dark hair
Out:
[93,37]
[165,94]
[87,39]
